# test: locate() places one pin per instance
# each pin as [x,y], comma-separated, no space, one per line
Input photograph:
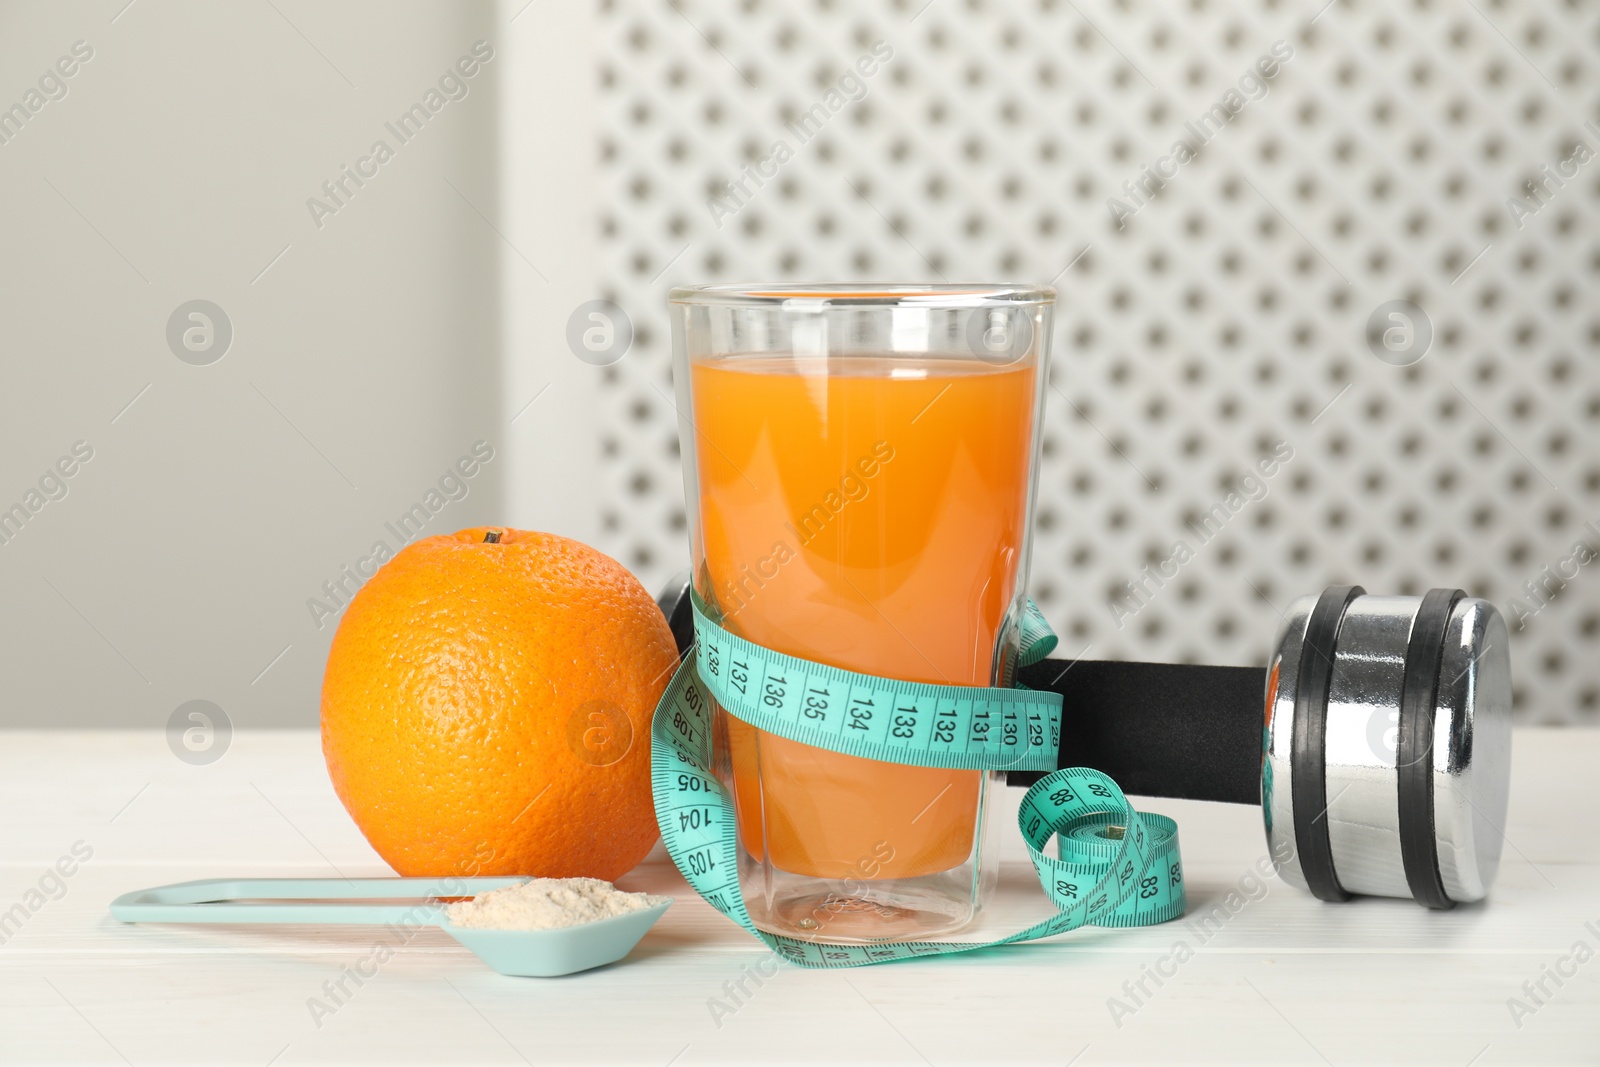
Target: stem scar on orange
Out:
[486,708]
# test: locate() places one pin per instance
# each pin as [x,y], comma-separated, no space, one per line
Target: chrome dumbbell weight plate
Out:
[1388,745]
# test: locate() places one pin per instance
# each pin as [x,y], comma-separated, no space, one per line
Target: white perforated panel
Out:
[1227,314]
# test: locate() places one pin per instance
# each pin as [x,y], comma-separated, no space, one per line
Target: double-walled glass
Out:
[859,466]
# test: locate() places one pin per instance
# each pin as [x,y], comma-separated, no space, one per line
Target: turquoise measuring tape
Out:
[1116,866]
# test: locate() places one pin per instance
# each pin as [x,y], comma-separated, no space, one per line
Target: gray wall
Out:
[364,358]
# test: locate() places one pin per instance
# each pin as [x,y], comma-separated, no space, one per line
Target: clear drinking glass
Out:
[859,468]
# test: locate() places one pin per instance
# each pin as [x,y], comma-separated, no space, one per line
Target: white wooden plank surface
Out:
[1286,980]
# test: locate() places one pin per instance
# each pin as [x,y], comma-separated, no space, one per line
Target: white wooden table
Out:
[1285,980]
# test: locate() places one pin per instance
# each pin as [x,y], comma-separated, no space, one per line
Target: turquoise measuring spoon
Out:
[525,953]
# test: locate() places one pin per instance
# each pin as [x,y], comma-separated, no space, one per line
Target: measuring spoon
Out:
[529,953]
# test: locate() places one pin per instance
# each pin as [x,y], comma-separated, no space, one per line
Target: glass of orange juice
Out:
[860,466]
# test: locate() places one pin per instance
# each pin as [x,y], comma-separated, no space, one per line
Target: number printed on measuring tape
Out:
[1114,866]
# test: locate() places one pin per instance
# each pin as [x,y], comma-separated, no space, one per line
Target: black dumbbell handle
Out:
[1159,729]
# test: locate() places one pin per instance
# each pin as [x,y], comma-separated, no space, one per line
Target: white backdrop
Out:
[1223,317]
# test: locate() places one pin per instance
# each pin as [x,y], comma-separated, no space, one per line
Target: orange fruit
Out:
[486,708]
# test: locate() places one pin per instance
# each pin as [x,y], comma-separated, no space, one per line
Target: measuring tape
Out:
[1116,866]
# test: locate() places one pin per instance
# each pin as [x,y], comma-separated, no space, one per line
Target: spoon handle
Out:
[304,900]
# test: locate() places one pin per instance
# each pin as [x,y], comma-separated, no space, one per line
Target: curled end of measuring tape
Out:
[1038,640]
[1129,859]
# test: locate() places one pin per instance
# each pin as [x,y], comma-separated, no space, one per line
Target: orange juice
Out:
[868,513]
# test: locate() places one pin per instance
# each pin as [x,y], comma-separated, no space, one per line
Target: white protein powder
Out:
[547,904]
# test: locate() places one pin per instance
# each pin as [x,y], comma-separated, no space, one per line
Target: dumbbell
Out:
[1377,741]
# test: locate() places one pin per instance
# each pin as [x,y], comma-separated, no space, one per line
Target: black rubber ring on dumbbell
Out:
[1419,696]
[1308,756]
[676,603]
